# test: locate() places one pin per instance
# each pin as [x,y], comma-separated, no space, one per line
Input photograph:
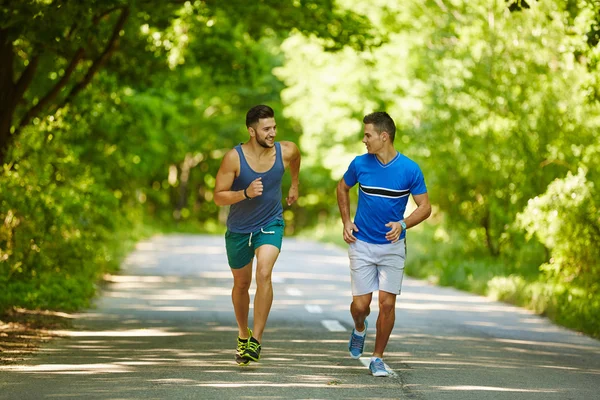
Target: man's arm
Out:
[224,196]
[420,214]
[343,199]
[291,158]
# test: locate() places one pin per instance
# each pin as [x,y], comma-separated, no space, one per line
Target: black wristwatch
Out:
[246,195]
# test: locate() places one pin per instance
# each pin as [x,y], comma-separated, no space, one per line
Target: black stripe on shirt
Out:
[375,191]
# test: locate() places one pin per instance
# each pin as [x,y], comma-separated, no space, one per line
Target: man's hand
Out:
[255,189]
[395,230]
[292,195]
[349,229]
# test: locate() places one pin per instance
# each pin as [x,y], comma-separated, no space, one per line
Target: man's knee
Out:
[387,304]
[264,274]
[361,305]
[241,284]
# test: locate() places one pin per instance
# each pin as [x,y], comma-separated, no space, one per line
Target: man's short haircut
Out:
[382,122]
[258,112]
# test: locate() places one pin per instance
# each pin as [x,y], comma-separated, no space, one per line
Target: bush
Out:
[566,219]
[60,226]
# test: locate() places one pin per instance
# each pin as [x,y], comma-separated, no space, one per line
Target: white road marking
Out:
[333,325]
[313,308]
[293,291]
[367,360]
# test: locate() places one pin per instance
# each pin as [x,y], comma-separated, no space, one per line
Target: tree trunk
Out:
[487,224]
[7,91]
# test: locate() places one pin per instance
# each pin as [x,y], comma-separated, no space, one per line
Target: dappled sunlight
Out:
[199,249]
[69,368]
[119,333]
[590,349]
[494,389]
[298,302]
[419,338]
[161,308]
[179,331]
[545,329]
[585,371]
[225,274]
[456,364]
[527,351]
[279,385]
[141,278]
[139,258]
[198,293]
[476,308]
[170,245]
[322,260]
[455,298]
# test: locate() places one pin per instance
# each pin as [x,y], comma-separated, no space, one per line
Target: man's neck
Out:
[257,150]
[386,154]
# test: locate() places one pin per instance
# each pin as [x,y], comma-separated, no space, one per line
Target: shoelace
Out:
[379,365]
[357,341]
[253,346]
[241,346]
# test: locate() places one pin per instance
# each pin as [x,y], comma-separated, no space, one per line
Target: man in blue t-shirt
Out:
[376,238]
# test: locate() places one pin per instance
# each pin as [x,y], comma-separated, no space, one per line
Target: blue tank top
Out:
[250,215]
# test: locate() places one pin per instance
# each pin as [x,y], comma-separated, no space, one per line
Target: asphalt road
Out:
[164,329]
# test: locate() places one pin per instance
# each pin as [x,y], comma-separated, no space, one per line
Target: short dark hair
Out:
[258,112]
[382,123]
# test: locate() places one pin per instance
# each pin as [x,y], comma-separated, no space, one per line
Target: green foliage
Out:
[116,115]
[59,224]
[566,219]
[493,105]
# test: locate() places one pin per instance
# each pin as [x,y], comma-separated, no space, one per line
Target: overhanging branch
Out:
[53,93]
[101,59]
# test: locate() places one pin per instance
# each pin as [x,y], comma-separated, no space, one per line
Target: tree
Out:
[52,50]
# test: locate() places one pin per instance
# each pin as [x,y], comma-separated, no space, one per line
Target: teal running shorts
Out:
[241,246]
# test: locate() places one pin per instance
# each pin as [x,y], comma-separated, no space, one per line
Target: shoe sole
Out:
[249,357]
[355,357]
[380,374]
[241,361]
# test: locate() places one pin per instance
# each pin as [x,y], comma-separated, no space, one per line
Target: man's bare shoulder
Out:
[231,160]
[289,147]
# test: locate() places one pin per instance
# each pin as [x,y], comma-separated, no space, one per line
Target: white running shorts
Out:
[376,267]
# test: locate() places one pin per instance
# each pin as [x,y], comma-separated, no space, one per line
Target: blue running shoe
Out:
[357,343]
[377,367]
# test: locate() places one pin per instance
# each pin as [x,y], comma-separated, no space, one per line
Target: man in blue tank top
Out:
[249,181]
[376,238]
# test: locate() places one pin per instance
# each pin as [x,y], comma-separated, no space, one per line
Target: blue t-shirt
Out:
[383,191]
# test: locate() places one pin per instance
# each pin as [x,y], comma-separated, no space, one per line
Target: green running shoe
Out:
[252,351]
[242,345]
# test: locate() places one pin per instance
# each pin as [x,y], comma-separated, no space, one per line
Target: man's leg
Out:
[242,278]
[385,321]
[266,255]
[360,310]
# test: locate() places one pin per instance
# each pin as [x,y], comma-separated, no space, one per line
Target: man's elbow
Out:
[427,211]
[218,200]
